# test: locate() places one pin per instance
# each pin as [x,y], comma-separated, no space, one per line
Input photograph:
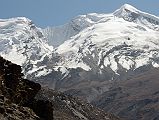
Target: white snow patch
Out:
[43,72]
[126,62]
[35,68]
[155,65]
[14,56]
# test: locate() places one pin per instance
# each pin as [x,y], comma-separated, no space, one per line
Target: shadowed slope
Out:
[134,99]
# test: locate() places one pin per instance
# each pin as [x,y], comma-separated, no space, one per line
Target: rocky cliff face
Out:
[21,99]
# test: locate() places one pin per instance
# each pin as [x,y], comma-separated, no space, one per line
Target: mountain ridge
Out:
[123,10]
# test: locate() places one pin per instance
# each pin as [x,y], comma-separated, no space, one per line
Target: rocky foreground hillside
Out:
[21,99]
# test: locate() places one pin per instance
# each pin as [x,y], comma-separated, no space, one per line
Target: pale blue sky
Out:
[57,12]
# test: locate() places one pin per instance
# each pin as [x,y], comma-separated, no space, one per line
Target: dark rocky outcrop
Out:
[21,99]
[21,93]
[15,92]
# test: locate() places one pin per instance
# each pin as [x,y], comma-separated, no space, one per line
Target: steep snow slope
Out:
[22,43]
[57,35]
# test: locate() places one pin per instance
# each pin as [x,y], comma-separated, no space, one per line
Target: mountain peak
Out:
[128,7]
[125,10]
[131,14]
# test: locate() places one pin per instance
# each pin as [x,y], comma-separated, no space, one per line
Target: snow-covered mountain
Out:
[23,43]
[89,52]
[115,46]
[127,38]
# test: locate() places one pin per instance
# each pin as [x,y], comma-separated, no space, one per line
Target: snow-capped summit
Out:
[127,12]
[57,35]
[131,14]
[127,7]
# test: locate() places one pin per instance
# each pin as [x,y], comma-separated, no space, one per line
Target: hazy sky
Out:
[57,12]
